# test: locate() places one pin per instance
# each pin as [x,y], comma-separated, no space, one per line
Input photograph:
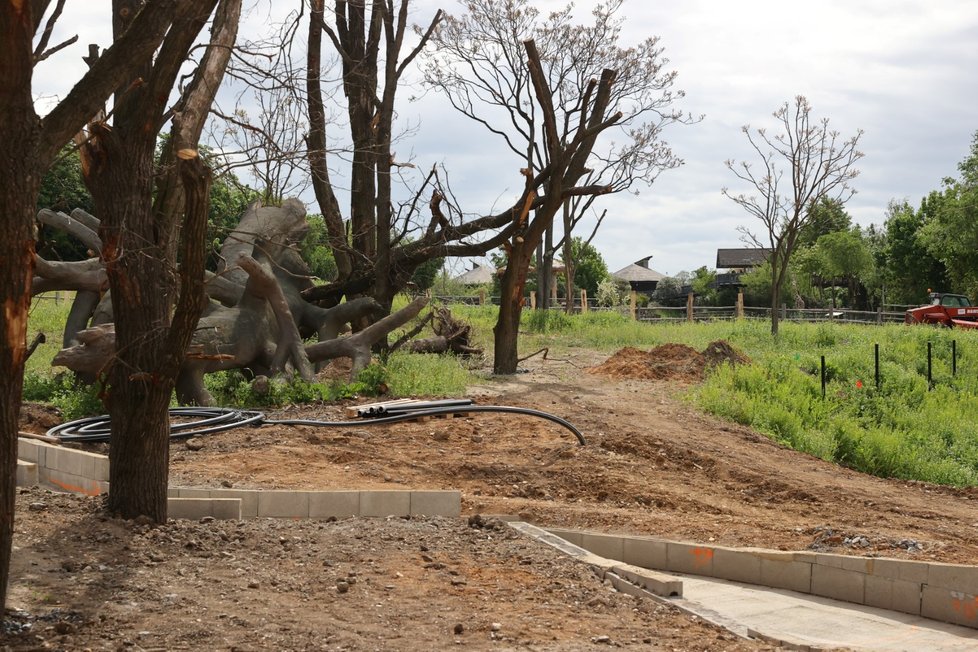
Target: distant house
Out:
[738,261]
[478,275]
[640,276]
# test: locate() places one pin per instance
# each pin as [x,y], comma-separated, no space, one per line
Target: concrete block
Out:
[71,483]
[226,509]
[198,508]
[736,565]
[436,503]
[895,595]
[188,492]
[27,475]
[385,503]
[838,583]
[338,504]
[573,536]
[608,546]
[658,583]
[898,569]
[27,449]
[689,558]
[623,585]
[79,463]
[248,498]
[950,606]
[644,552]
[782,572]
[283,504]
[858,564]
[953,576]
[101,468]
[172,492]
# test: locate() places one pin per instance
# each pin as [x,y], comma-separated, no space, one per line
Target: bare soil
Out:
[653,465]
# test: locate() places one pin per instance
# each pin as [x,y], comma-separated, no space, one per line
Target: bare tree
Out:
[820,164]
[550,89]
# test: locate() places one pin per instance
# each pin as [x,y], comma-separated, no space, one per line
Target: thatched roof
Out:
[478,275]
[636,272]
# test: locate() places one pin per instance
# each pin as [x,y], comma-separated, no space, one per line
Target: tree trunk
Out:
[506,330]
[19,187]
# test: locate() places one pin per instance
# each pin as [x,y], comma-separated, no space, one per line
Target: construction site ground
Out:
[653,465]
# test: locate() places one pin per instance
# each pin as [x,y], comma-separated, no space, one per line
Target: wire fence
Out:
[888,314]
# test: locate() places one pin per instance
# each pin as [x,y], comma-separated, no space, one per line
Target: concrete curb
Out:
[77,471]
[945,592]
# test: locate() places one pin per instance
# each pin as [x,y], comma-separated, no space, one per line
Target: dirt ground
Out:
[652,465]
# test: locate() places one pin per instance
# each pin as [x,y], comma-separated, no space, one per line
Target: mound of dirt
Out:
[669,362]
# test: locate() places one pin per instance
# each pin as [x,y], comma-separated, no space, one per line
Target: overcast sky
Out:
[902,71]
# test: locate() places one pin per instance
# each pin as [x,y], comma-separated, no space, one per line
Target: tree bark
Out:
[19,187]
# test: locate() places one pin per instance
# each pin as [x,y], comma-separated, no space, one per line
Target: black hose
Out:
[462,409]
[206,421]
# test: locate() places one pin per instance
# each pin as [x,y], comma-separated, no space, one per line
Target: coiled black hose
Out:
[205,421]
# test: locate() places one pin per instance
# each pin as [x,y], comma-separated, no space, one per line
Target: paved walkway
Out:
[820,623]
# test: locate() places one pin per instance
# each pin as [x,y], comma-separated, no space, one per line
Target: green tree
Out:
[425,274]
[910,268]
[845,256]
[589,266]
[827,216]
[950,229]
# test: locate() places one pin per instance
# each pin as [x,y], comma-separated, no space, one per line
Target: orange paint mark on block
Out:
[965,605]
[703,556]
[94,491]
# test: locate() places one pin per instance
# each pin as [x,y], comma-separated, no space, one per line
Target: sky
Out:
[904,72]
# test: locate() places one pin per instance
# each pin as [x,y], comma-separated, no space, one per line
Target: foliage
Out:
[315,249]
[826,216]
[426,273]
[613,292]
[589,266]
[63,189]
[73,399]
[950,224]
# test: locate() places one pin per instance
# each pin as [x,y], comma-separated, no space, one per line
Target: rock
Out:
[227,484]
[207,519]
[495,627]
[194,444]
[458,629]
[602,640]
[342,586]
[459,581]
[254,584]
[37,507]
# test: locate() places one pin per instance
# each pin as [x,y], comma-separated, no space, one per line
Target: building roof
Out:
[636,272]
[478,275]
[733,258]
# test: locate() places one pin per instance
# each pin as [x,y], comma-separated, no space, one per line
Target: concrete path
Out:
[817,623]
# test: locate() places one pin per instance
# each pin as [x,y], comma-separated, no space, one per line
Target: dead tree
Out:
[256,317]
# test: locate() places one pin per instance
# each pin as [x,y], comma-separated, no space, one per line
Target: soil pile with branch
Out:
[669,362]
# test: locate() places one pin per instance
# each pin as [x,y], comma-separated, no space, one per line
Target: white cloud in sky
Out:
[903,71]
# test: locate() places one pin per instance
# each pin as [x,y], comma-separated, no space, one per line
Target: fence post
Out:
[689,307]
[784,312]
[740,304]
[482,297]
[583,301]
[879,315]
[533,299]
[633,304]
